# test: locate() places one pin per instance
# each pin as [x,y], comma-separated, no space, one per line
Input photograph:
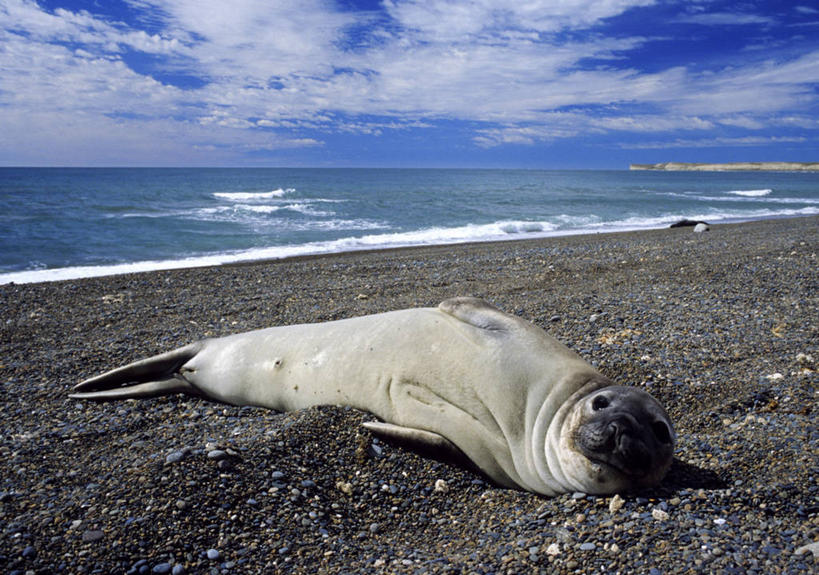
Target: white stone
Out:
[616,504]
[441,486]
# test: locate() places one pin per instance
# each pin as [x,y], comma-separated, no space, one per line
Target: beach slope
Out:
[721,327]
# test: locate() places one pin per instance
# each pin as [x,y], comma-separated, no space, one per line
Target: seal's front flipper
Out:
[151,377]
[426,442]
[477,312]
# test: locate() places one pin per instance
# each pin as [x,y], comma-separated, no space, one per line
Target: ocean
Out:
[66,223]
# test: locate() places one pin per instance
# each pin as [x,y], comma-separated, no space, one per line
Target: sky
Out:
[574,84]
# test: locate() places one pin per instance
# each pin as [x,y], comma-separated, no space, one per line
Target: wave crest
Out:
[246,196]
[750,193]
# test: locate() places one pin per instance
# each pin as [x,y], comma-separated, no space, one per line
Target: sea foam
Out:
[494,231]
[750,193]
[245,196]
[228,216]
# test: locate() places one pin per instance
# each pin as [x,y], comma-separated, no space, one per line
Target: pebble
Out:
[659,514]
[217,454]
[616,503]
[213,554]
[92,536]
[176,456]
[140,566]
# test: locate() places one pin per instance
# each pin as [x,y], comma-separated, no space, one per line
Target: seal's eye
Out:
[661,432]
[600,402]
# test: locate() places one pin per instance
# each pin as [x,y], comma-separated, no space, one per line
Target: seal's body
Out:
[515,401]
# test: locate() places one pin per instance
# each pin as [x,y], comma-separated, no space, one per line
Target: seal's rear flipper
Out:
[151,377]
[139,391]
[421,440]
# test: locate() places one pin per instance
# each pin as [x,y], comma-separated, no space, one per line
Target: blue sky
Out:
[406,83]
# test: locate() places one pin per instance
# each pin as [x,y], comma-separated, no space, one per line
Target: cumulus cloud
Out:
[214,78]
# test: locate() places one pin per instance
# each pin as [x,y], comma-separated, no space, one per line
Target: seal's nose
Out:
[629,447]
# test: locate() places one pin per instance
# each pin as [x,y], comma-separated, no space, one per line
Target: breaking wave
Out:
[245,196]
[750,193]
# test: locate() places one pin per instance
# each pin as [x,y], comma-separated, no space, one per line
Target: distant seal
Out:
[464,377]
[687,223]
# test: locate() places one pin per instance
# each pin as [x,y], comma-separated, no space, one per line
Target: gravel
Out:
[721,327]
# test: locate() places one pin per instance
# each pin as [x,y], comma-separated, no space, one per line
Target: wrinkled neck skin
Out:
[545,470]
[571,470]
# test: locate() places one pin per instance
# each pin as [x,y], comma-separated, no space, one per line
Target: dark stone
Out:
[91,536]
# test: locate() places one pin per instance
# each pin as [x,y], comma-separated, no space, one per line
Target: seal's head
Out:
[620,438]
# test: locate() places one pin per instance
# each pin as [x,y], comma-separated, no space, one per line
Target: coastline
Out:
[257,256]
[720,326]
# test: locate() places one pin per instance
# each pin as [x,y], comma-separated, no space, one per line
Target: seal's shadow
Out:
[456,457]
[684,475]
[680,476]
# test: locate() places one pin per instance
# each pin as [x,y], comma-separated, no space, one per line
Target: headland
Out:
[730,167]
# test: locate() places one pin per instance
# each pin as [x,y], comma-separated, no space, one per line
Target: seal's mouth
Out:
[618,443]
[603,466]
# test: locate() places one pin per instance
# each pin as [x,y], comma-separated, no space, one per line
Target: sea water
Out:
[63,223]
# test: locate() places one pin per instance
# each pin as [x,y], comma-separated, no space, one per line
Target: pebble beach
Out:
[722,327]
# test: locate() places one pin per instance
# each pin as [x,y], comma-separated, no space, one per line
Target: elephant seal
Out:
[464,377]
[687,223]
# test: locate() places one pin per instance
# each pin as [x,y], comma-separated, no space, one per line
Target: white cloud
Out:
[759,88]
[25,16]
[556,126]
[724,19]
[747,141]
[254,40]
[747,122]
[274,74]
[48,76]
[652,123]
[69,138]
[443,20]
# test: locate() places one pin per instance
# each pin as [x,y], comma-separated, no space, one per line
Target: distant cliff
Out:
[732,167]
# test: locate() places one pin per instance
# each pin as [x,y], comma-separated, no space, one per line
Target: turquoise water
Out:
[67,223]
